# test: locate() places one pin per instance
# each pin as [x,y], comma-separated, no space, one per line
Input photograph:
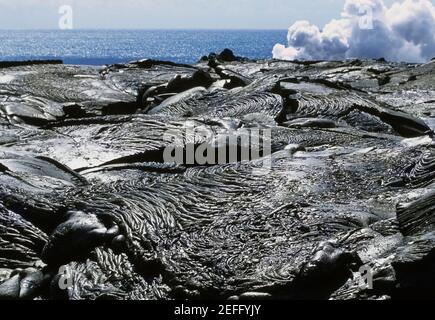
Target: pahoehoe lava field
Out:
[84,185]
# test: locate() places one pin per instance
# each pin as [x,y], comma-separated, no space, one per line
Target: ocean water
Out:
[96,47]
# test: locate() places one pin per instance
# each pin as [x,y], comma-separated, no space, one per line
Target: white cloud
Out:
[368,29]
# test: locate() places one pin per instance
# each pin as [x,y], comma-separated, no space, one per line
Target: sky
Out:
[169,14]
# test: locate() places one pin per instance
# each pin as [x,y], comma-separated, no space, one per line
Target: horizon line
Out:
[144,29]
